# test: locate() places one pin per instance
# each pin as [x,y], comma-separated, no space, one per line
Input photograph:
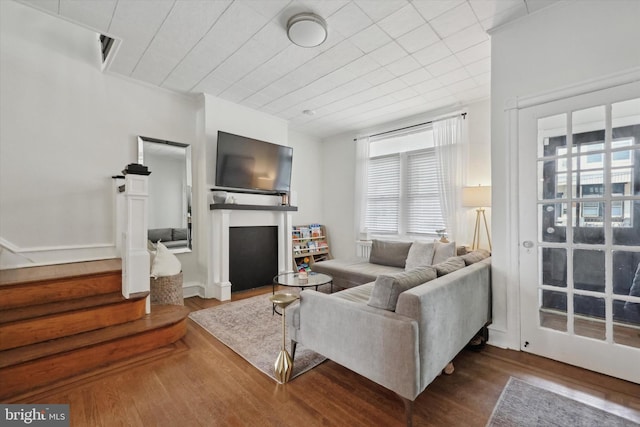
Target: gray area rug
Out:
[249,328]
[524,405]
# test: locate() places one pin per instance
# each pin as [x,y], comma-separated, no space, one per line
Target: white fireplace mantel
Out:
[224,216]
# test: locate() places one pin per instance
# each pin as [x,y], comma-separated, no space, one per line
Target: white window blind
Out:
[383,194]
[423,213]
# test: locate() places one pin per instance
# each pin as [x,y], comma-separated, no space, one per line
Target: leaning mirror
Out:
[169,207]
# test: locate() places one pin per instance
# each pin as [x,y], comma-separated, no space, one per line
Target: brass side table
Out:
[284,363]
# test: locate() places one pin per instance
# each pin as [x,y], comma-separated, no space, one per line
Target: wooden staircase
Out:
[64,320]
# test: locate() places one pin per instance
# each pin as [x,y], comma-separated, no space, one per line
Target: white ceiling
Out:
[383,59]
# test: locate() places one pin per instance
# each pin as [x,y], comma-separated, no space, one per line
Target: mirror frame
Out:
[142,140]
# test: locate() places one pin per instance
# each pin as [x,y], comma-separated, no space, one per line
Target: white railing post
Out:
[135,257]
[120,212]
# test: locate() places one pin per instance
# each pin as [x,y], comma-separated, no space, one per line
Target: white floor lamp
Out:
[478,197]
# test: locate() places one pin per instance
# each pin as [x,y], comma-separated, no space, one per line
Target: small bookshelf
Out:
[310,244]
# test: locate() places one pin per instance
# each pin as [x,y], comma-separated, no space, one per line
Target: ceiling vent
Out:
[106,43]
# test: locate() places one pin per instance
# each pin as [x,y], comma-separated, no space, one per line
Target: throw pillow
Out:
[443,251]
[449,266]
[420,254]
[475,256]
[391,253]
[388,287]
[165,263]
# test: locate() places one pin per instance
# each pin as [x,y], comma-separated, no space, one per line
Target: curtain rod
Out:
[464,116]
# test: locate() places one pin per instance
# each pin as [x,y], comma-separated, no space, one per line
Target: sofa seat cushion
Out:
[352,272]
[359,294]
[391,253]
[388,287]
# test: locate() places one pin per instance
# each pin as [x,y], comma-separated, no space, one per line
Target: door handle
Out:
[527,244]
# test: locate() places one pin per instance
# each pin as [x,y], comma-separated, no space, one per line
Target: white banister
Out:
[133,235]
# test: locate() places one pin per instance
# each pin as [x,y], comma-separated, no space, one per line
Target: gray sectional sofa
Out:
[401,329]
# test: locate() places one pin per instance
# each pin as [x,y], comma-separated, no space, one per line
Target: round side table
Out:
[284,363]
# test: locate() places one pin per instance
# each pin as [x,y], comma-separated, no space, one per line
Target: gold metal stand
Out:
[284,364]
[476,232]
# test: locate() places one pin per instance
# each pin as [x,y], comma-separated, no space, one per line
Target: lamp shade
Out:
[476,197]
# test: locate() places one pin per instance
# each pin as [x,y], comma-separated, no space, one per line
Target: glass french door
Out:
[579,209]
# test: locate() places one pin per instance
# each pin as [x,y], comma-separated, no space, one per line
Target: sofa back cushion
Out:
[163,234]
[391,253]
[420,254]
[449,266]
[388,287]
[475,256]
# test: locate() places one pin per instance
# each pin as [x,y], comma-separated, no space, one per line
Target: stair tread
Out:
[161,316]
[41,310]
[42,273]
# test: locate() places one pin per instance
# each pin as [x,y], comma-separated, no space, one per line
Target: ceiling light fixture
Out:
[308,112]
[307,30]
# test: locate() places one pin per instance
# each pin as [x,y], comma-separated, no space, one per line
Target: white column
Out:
[218,284]
[120,213]
[135,257]
[285,245]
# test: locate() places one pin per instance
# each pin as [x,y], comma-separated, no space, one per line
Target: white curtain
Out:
[362,178]
[450,147]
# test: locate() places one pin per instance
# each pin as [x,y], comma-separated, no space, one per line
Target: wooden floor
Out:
[203,383]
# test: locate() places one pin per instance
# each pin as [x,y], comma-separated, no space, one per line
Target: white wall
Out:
[307,178]
[65,129]
[339,154]
[558,46]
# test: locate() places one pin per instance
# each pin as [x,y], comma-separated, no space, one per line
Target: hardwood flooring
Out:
[203,383]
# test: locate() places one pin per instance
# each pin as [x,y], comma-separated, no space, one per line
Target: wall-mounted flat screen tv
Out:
[249,164]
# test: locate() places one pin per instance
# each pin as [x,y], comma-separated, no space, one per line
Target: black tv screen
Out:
[250,164]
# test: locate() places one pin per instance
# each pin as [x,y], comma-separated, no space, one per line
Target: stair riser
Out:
[28,376]
[21,295]
[46,328]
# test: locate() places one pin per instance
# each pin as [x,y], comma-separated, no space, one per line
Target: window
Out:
[402,189]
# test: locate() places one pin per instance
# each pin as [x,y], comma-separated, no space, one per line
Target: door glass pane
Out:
[625,270]
[588,183]
[626,326]
[625,113]
[626,232]
[553,182]
[590,219]
[553,217]
[554,267]
[552,135]
[588,270]
[589,316]
[553,310]
[588,125]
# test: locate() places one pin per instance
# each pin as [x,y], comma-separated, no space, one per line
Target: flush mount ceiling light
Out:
[307,30]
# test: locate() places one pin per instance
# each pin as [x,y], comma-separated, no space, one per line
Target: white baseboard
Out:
[501,339]
[193,289]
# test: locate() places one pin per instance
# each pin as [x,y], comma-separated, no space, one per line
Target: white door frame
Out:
[509,336]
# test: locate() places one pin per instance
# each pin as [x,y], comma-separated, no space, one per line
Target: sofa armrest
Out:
[378,344]
[449,312]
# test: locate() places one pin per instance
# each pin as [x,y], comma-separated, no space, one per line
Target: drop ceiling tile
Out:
[433,53]
[378,76]
[379,9]
[481,92]
[454,20]
[479,67]
[370,39]
[466,38]
[95,15]
[428,86]
[235,93]
[187,23]
[475,53]
[214,86]
[52,6]
[534,5]
[324,8]
[388,53]
[446,65]
[483,79]
[419,38]
[454,76]
[417,76]
[401,21]
[361,66]
[349,20]
[405,93]
[437,94]
[462,86]
[431,9]
[268,9]
[403,66]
